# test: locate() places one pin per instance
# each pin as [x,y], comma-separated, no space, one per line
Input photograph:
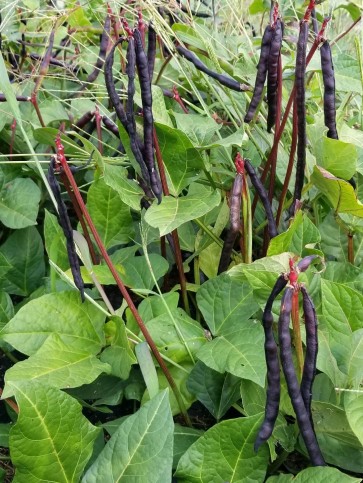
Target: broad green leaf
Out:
[55,241]
[326,362]
[160,112]
[184,437]
[301,232]
[63,313]
[180,377]
[56,364]
[110,214]
[19,202]
[141,449]
[225,304]
[355,363]
[277,264]
[342,308]
[339,445]
[217,392]
[225,453]
[234,139]
[51,111]
[182,161]
[239,352]
[347,73]
[119,354]
[152,307]
[315,475]
[173,212]
[354,411]
[134,272]
[106,389]
[200,130]
[51,438]
[176,334]
[147,368]
[6,309]
[4,434]
[129,190]
[47,136]
[339,193]
[24,251]
[336,156]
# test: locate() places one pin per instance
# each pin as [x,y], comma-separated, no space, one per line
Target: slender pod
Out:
[83,120]
[44,65]
[110,85]
[130,116]
[302,416]
[261,72]
[273,367]
[300,108]
[146,97]
[272,76]
[262,193]
[327,69]
[235,222]
[305,263]
[151,50]
[110,126]
[311,354]
[222,79]
[105,38]
[64,222]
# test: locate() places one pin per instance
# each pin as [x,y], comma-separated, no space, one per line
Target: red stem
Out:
[98,119]
[61,158]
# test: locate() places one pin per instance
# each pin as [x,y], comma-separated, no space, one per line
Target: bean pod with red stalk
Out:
[300,394]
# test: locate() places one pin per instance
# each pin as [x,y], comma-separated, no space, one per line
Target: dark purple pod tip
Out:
[305,263]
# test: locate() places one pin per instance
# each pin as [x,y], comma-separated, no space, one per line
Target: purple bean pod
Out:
[302,415]
[272,76]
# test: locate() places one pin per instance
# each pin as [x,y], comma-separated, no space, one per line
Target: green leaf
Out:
[340,447]
[4,434]
[160,112]
[6,309]
[315,475]
[235,139]
[225,303]
[55,241]
[56,364]
[225,453]
[339,193]
[336,156]
[63,313]
[217,392]
[134,272]
[354,411]
[173,212]
[347,73]
[141,449]
[238,352]
[147,368]
[24,251]
[110,214]
[116,177]
[51,438]
[184,437]
[301,232]
[200,130]
[342,308]
[173,332]
[355,363]
[19,202]
[182,161]
[119,354]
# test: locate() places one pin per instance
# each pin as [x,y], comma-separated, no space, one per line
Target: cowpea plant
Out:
[164,216]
